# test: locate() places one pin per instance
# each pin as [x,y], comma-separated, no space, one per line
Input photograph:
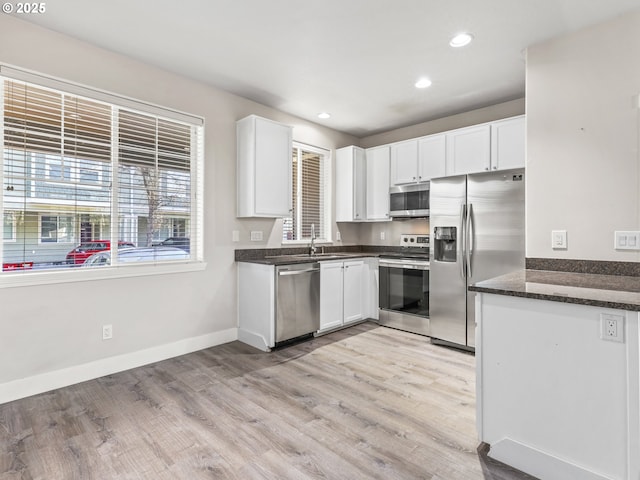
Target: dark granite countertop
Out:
[294,255]
[304,258]
[608,291]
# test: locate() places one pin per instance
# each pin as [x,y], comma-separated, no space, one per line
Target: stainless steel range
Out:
[404,286]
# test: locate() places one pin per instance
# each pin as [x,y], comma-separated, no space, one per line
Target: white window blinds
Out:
[80,173]
[310,191]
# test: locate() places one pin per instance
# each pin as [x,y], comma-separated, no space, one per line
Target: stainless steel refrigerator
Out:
[477,232]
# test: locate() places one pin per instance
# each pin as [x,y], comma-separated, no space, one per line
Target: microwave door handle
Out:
[470,240]
[462,239]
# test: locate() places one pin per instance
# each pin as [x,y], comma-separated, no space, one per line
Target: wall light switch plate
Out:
[235,236]
[626,240]
[558,239]
[256,235]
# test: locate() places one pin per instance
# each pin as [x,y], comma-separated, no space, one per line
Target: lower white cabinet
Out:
[256,305]
[342,293]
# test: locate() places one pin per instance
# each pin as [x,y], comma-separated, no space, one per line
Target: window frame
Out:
[71,220]
[327,194]
[195,212]
[12,220]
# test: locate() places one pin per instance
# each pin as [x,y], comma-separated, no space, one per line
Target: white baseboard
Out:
[538,463]
[25,387]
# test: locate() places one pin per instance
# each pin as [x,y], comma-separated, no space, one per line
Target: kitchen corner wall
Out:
[583,129]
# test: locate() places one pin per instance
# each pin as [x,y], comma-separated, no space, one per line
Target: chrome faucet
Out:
[312,246]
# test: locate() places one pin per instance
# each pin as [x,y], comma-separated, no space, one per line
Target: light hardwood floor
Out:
[363,403]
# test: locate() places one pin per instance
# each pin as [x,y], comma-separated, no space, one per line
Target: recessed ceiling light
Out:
[423,83]
[324,115]
[461,40]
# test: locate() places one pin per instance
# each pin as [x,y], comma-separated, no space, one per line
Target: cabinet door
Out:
[354,284]
[404,162]
[360,185]
[350,184]
[431,157]
[469,150]
[508,144]
[377,160]
[331,295]
[263,168]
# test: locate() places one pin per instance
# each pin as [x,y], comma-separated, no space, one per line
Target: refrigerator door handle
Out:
[469,239]
[463,240]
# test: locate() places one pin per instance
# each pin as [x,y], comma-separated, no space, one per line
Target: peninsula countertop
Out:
[608,291]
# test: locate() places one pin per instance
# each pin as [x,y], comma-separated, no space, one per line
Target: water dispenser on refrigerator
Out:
[445,244]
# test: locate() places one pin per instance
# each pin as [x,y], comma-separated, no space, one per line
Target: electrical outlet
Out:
[107,332]
[612,327]
[235,236]
[382,235]
[338,238]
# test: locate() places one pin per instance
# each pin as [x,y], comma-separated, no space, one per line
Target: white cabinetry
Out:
[256,305]
[264,150]
[432,157]
[404,162]
[377,166]
[497,145]
[418,160]
[350,184]
[508,143]
[342,293]
[469,150]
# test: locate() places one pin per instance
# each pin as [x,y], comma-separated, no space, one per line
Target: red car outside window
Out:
[83,251]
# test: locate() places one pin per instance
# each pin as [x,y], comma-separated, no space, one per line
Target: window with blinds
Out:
[84,175]
[310,190]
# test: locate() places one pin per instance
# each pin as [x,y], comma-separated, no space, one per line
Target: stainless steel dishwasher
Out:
[297,300]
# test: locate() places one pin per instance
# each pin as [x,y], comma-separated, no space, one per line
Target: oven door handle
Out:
[404,266]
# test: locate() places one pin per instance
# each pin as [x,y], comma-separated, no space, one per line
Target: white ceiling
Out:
[357,59]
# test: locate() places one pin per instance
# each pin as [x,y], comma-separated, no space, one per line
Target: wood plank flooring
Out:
[363,403]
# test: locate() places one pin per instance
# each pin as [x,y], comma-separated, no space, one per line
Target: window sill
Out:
[9,280]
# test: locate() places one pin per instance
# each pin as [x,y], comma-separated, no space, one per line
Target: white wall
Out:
[52,327]
[583,126]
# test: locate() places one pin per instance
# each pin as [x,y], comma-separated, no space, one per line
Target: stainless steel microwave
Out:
[407,201]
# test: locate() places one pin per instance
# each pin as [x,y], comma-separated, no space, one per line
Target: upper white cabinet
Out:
[350,184]
[469,150]
[264,150]
[508,143]
[418,160]
[432,157]
[377,166]
[497,145]
[404,162]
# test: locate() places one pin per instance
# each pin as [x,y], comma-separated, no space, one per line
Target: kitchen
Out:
[565,132]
